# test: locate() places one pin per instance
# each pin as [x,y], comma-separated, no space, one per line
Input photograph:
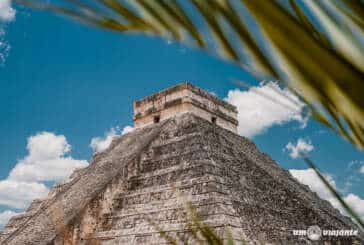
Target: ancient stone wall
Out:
[184,98]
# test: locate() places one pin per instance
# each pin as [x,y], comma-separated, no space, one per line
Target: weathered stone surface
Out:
[230,182]
[183,98]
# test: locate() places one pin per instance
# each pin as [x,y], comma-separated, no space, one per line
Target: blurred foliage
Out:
[313,47]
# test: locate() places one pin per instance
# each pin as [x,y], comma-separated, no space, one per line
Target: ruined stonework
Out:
[183,98]
[228,180]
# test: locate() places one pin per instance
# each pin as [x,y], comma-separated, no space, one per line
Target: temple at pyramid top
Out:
[183,98]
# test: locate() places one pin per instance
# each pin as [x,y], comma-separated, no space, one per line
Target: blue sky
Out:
[78,82]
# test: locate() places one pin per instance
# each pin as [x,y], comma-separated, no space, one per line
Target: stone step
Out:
[169,215]
[182,144]
[165,161]
[184,183]
[223,201]
[162,195]
[176,173]
[182,236]
[147,228]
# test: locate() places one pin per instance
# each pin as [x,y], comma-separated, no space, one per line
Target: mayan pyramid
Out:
[187,138]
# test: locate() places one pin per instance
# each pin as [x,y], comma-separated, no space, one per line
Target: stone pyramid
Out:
[227,179]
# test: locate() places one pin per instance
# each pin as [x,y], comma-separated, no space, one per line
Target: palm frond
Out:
[315,48]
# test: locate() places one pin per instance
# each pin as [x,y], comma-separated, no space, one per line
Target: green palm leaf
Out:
[321,59]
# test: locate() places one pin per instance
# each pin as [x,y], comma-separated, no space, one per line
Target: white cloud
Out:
[18,194]
[56,169]
[127,129]
[5,216]
[355,167]
[259,108]
[302,147]
[7,13]
[99,144]
[46,161]
[356,203]
[4,47]
[309,177]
